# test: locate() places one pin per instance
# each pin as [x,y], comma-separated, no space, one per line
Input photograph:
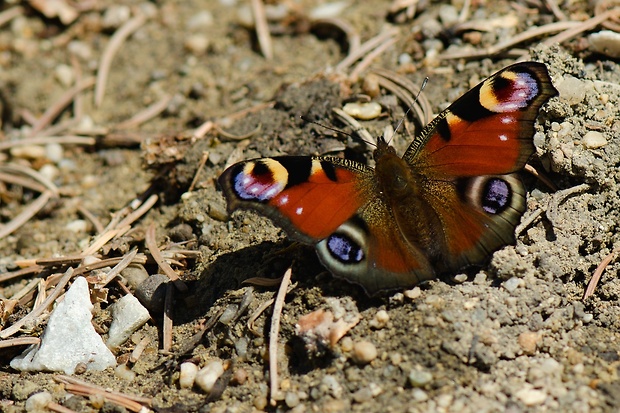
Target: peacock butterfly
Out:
[449,202]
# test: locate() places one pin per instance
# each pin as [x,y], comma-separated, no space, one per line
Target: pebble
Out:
[28,152]
[200,21]
[460,278]
[115,15]
[80,49]
[528,340]
[77,226]
[364,352]
[49,171]
[239,377]
[414,293]
[196,44]
[208,375]
[181,232]
[54,152]
[64,74]
[333,386]
[260,402]
[606,42]
[38,402]
[364,111]
[419,378]
[122,371]
[328,10]
[419,395]
[572,90]
[511,284]
[594,140]
[128,316]
[531,397]
[228,314]
[152,292]
[187,375]
[291,399]
[134,275]
[380,320]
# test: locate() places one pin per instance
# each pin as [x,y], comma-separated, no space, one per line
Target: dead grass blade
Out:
[274,386]
[356,127]
[201,165]
[598,273]
[151,245]
[168,323]
[53,111]
[116,41]
[262,29]
[369,57]
[146,115]
[26,214]
[61,140]
[14,328]
[83,388]
[20,341]
[366,47]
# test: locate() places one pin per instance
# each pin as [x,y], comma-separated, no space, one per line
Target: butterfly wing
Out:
[334,204]
[488,130]
[464,159]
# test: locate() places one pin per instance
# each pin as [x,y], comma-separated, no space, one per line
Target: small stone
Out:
[128,316]
[528,340]
[115,15]
[208,375]
[380,320]
[134,275]
[346,344]
[364,352]
[38,402]
[181,232]
[64,74]
[419,395]
[414,293]
[291,399]
[200,21]
[152,293]
[54,152]
[572,90]
[49,171]
[460,278]
[239,377]
[606,42]
[531,397]
[594,140]
[419,378]
[511,284]
[187,375]
[363,111]
[260,402]
[197,44]
[362,395]
[28,152]
[122,371]
[77,226]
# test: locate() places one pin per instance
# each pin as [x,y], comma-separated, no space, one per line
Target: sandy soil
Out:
[512,336]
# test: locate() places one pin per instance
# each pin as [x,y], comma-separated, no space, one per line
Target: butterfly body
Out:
[449,202]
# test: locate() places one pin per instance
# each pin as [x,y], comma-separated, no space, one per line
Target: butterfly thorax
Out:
[402,190]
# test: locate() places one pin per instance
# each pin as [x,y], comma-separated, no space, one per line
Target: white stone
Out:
[128,316]
[208,375]
[594,140]
[69,338]
[531,397]
[606,42]
[187,375]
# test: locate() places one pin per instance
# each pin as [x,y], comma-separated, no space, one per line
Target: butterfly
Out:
[450,201]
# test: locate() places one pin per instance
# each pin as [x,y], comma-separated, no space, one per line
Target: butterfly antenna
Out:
[410,108]
[305,119]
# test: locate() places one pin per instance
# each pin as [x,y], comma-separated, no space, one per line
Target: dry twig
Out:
[201,165]
[83,388]
[151,244]
[116,42]
[273,336]
[596,277]
[147,114]
[168,324]
[14,328]
[262,28]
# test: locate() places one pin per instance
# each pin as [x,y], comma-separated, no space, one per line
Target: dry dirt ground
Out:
[513,336]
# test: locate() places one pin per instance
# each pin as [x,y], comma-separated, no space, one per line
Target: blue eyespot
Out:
[344,249]
[495,196]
